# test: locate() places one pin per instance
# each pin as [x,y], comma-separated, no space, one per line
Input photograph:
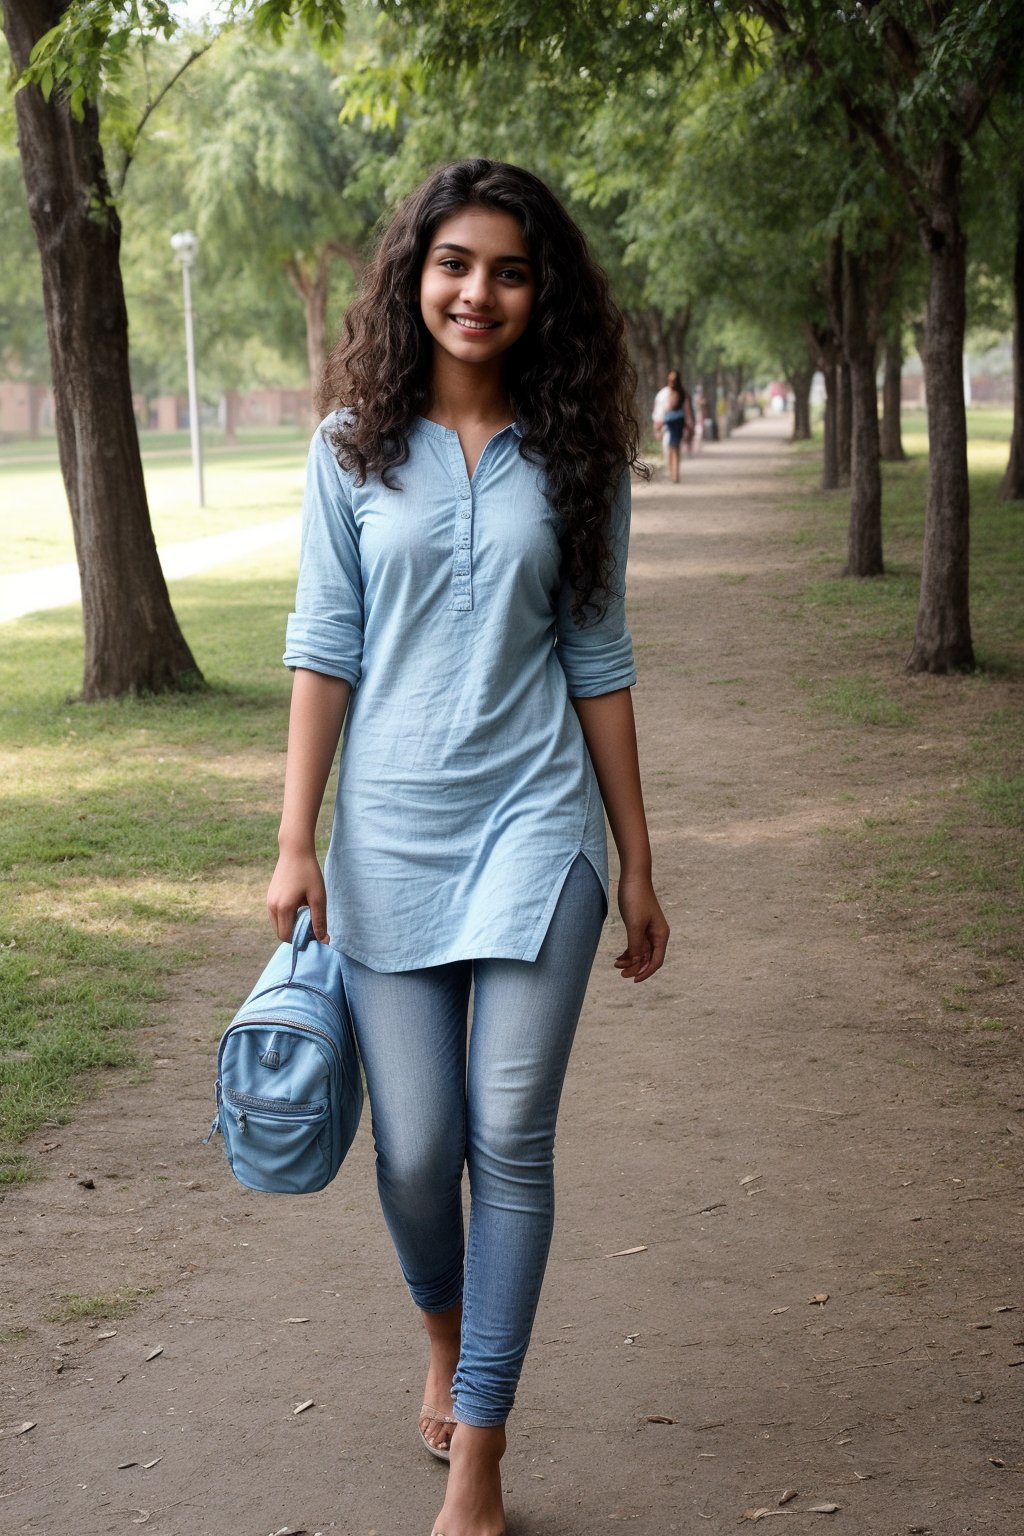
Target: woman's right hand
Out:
[297,882]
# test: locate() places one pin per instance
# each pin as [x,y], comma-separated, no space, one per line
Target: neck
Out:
[466,393]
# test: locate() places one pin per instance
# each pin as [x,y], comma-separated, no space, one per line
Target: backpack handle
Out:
[301,935]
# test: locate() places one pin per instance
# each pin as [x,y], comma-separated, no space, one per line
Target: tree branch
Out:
[151,107]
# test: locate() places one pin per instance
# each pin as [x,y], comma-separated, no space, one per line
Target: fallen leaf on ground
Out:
[23,1429]
[623,1253]
[109,1333]
[154,1352]
[296,1319]
[658,1418]
[303,1406]
[751,1178]
[757,1514]
[790,1493]
[778,1311]
[123,1466]
[823,1509]
[147,1464]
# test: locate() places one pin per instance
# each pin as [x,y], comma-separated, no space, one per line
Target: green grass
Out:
[124,824]
[951,868]
[244,486]
[860,701]
[74,1308]
[883,610]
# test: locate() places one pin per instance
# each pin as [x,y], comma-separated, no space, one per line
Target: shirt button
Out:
[465,514]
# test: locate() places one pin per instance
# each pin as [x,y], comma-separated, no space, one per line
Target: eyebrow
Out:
[464,250]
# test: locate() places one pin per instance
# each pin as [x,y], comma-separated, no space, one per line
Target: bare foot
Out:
[473,1504]
[444,1329]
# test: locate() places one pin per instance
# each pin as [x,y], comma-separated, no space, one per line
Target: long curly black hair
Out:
[569,378]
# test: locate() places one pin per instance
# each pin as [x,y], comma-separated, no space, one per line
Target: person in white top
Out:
[672,416]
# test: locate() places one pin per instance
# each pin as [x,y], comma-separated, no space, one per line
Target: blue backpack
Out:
[289,1089]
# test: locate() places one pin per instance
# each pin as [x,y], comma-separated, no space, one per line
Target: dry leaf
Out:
[790,1493]
[751,1178]
[147,1464]
[110,1333]
[123,1466]
[864,1477]
[23,1429]
[997,1461]
[823,1509]
[778,1311]
[303,1406]
[154,1352]
[755,1514]
[658,1418]
[1004,1309]
[143,1518]
[624,1253]
[820,1299]
[296,1319]
[974,1397]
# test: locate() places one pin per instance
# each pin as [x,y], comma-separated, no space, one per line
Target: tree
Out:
[916,82]
[133,643]
[288,192]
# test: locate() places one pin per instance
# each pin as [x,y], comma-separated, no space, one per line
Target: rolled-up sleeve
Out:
[597,657]
[325,633]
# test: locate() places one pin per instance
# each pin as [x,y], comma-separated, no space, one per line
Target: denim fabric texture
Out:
[440,1104]
[465,790]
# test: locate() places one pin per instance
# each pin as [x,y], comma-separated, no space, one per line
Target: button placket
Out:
[462,552]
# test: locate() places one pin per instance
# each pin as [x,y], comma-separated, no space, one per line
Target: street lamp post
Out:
[185,246]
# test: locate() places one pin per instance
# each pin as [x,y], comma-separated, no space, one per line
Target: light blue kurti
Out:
[465,790]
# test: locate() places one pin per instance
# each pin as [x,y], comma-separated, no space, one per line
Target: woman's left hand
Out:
[646,929]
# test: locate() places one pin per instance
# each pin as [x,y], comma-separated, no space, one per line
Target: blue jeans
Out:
[440,1103]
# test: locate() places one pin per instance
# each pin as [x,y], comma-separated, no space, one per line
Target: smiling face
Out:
[477,287]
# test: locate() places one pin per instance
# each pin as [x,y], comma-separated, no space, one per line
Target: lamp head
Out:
[185,246]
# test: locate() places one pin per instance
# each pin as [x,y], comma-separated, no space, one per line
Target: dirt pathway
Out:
[762,1120]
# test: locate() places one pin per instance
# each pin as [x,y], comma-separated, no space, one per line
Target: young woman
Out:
[673,421]
[460,610]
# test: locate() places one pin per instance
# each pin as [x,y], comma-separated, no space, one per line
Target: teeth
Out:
[473,325]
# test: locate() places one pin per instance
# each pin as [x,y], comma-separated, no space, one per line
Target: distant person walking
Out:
[673,421]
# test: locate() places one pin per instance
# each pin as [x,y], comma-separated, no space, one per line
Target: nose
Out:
[476,288]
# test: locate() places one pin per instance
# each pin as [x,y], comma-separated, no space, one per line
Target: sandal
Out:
[441,1452]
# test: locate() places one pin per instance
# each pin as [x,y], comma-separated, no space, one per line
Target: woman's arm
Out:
[609,730]
[318,710]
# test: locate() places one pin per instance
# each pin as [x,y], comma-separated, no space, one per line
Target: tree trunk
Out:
[826,351]
[864,540]
[800,383]
[1012,488]
[132,640]
[709,388]
[942,642]
[844,420]
[890,434]
[830,434]
[231,404]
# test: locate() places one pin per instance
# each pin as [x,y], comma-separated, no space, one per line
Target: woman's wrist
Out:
[296,841]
